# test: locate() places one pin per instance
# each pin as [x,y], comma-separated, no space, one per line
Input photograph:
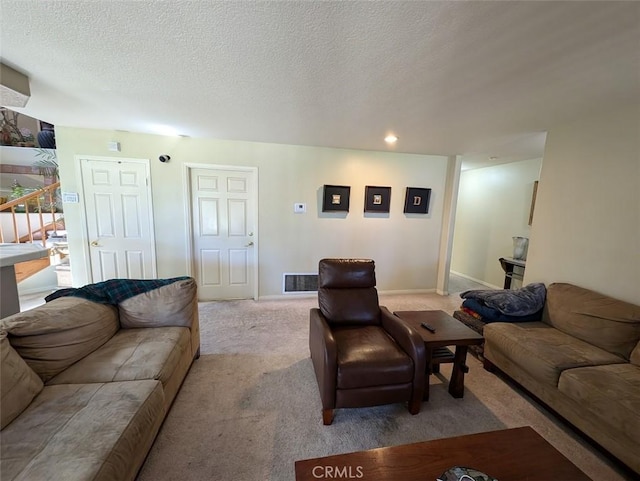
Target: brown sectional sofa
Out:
[86,386]
[582,360]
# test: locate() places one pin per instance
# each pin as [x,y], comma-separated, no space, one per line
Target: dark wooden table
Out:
[509,267]
[449,332]
[519,454]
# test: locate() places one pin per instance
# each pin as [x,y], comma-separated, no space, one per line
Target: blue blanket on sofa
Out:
[526,301]
[489,314]
[114,291]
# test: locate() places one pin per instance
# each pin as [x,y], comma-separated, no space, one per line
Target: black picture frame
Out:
[416,200]
[335,198]
[377,199]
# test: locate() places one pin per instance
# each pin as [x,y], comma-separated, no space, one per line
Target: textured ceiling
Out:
[477,79]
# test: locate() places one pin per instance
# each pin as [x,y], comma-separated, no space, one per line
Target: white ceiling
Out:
[478,79]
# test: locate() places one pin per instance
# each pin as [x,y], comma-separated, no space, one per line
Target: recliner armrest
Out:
[408,339]
[324,355]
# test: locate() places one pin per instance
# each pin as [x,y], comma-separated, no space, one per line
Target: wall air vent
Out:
[292,283]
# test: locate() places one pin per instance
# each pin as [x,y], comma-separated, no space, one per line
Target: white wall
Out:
[405,247]
[586,228]
[493,206]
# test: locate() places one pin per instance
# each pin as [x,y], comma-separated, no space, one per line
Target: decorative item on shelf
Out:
[12,135]
[377,199]
[18,191]
[335,198]
[47,165]
[520,247]
[416,200]
[47,136]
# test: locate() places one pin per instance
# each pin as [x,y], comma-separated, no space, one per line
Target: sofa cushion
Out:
[132,354]
[541,351]
[171,305]
[609,392]
[19,384]
[55,335]
[83,431]
[600,320]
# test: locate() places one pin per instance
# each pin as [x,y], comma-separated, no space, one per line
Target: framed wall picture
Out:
[417,200]
[335,198]
[377,199]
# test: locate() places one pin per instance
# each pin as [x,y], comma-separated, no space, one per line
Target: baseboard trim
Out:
[38,290]
[408,291]
[314,295]
[476,280]
[289,296]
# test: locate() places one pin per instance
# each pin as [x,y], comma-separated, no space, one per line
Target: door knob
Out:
[94,243]
[249,244]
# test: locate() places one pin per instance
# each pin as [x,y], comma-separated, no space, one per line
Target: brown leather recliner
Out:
[362,354]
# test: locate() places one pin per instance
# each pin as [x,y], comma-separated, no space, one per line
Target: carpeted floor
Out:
[250,407]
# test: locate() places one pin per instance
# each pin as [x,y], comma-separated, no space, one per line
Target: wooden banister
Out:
[11,206]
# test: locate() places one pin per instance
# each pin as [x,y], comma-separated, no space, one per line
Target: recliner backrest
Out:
[347,292]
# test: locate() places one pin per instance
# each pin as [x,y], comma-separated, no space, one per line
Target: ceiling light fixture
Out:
[391,139]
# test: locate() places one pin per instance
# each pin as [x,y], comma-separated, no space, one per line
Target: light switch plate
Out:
[299,208]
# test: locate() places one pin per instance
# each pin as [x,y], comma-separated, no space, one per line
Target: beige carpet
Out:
[250,406]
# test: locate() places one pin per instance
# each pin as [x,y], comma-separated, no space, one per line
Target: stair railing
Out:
[49,193]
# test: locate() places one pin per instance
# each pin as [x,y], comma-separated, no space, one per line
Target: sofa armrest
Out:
[175,304]
[324,356]
[410,341]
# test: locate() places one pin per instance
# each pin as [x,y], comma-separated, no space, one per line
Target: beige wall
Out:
[586,228]
[493,206]
[404,247]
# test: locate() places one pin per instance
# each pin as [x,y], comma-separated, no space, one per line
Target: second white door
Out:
[223,235]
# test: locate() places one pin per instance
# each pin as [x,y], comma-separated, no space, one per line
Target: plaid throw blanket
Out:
[114,291]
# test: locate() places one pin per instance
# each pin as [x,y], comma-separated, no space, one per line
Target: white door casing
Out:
[119,218]
[223,237]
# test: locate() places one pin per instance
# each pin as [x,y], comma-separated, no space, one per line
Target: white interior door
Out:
[118,205]
[223,237]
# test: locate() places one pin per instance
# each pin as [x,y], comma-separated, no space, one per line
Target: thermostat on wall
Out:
[70,197]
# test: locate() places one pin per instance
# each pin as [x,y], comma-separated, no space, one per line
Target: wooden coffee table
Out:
[508,455]
[449,332]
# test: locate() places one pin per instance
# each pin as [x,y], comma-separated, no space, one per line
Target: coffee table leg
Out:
[456,384]
[427,374]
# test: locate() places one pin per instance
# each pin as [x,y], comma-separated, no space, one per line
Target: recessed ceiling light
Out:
[391,139]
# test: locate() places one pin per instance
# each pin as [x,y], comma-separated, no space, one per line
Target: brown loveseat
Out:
[362,354]
[582,360]
[85,386]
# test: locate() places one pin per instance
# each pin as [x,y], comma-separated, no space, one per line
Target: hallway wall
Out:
[493,206]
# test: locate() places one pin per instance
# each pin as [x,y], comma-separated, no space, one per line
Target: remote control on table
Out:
[428,327]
